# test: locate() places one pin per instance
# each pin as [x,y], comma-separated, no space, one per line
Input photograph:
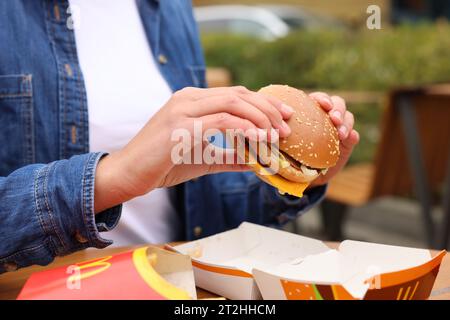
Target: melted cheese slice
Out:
[283,185]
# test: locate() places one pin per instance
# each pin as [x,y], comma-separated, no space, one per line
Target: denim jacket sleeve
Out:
[289,208]
[219,202]
[48,211]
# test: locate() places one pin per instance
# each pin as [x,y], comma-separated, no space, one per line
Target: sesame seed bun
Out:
[310,150]
[314,141]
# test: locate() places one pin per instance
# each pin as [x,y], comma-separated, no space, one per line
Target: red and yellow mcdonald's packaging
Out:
[147,273]
[254,262]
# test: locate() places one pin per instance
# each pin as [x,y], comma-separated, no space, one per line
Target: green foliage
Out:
[358,60]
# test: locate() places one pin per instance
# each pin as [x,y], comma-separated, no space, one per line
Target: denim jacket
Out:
[46,170]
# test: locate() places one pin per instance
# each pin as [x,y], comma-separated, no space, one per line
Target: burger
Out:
[309,151]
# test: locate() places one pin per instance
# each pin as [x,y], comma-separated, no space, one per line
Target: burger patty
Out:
[283,158]
[294,163]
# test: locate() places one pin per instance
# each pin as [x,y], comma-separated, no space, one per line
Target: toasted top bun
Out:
[314,141]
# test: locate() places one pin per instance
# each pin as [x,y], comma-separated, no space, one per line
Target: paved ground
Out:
[388,221]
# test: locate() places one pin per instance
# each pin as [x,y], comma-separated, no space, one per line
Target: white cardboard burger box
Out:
[254,262]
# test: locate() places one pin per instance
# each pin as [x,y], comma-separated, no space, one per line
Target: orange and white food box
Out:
[253,262]
[147,273]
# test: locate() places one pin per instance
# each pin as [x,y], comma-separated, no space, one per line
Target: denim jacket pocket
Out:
[16,122]
[198,75]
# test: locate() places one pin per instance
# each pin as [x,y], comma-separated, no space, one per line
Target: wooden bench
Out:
[413,158]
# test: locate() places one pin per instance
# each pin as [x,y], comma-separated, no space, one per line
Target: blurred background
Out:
[395,81]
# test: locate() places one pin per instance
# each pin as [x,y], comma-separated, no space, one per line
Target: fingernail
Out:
[287,109]
[327,101]
[286,128]
[337,114]
[343,130]
[330,102]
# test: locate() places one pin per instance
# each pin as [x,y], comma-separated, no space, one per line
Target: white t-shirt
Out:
[124,90]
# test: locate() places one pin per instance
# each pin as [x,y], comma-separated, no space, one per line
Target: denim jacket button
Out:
[162,59]
[68,69]
[80,238]
[198,231]
[10,266]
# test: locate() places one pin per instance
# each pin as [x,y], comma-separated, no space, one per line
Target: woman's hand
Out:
[146,162]
[344,121]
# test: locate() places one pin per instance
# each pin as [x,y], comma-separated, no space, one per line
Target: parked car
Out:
[267,22]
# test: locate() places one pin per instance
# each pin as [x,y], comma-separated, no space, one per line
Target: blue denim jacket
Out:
[46,170]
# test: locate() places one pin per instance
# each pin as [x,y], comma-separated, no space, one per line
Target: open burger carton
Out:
[253,262]
[147,273]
